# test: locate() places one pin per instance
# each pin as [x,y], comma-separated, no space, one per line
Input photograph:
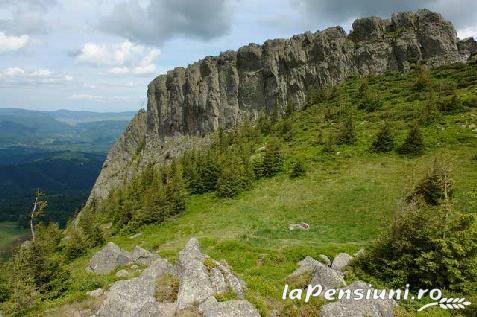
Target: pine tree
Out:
[414,144]
[384,140]
[272,160]
[298,169]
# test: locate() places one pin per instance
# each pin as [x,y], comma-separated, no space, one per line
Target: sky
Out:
[99,55]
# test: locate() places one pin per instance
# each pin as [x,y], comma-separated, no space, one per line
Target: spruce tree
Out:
[414,144]
[272,159]
[384,140]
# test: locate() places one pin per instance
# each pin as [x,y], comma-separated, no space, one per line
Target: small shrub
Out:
[470,102]
[414,144]
[298,169]
[384,140]
[450,104]
[329,146]
[429,112]
[346,133]
[435,186]
[370,102]
[167,288]
[423,79]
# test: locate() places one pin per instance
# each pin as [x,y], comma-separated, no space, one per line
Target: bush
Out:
[384,140]
[435,186]
[346,133]
[427,248]
[298,169]
[414,144]
[423,79]
[429,112]
[450,104]
[272,159]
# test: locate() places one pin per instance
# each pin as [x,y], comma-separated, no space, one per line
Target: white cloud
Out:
[470,31]
[12,43]
[122,58]
[19,76]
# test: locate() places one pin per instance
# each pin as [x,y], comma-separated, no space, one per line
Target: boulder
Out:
[235,284]
[341,261]
[236,308]
[136,297]
[358,308]
[306,265]
[109,258]
[142,256]
[195,285]
[96,293]
[327,277]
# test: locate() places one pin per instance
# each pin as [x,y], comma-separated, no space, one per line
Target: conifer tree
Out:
[414,144]
[384,140]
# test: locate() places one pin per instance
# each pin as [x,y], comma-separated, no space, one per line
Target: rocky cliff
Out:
[187,103]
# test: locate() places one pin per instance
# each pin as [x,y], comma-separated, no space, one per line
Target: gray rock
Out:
[327,277]
[218,281]
[236,308]
[122,273]
[358,308]
[219,92]
[308,264]
[135,297]
[96,293]
[142,256]
[194,283]
[235,284]
[109,258]
[341,261]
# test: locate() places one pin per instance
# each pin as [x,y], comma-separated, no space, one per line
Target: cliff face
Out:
[187,103]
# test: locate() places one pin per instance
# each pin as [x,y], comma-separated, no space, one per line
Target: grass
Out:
[348,198]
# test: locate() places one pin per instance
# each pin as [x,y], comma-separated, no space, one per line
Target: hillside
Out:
[349,195]
[329,159]
[61,130]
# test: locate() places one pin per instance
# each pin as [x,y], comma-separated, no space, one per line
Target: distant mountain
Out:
[61,130]
[59,152]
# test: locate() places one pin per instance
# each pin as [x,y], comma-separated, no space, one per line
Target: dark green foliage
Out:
[272,159]
[450,104]
[368,100]
[384,140]
[37,271]
[414,143]
[429,111]
[423,79]
[290,108]
[235,178]
[435,186]
[426,248]
[346,133]
[298,169]
[470,102]
[264,123]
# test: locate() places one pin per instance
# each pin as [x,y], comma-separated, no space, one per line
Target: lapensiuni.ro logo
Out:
[369,293]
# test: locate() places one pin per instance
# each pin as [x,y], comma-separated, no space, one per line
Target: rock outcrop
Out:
[358,308]
[200,277]
[111,256]
[187,103]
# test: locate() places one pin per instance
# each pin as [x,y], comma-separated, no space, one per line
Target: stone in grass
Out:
[108,258]
[237,308]
[324,259]
[298,226]
[358,308]
[341,261]
[327,277]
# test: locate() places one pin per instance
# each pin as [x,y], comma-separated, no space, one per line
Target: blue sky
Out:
[100,54]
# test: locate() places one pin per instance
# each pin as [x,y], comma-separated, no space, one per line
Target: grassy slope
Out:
[347,198]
